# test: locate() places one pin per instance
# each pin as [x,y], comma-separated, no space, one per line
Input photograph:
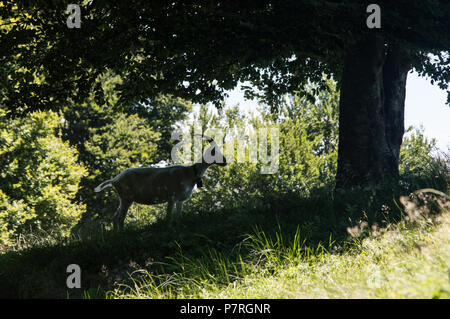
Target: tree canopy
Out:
[200,49]
[197,50]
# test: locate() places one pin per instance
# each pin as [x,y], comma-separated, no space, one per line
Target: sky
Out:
[424,105]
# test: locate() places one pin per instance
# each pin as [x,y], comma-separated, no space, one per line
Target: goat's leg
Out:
[121,213]
[179,208]
[170,207]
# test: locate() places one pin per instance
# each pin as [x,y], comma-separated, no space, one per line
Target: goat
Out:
[156,185]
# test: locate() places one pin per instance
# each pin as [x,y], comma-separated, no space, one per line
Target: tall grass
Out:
[362,244]
[408,260]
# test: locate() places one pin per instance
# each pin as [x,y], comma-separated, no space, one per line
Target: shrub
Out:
[39,177]
[126,142]
[422,164]
[307,155]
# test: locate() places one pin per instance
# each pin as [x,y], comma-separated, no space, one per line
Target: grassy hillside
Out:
[306,249]
[404,262]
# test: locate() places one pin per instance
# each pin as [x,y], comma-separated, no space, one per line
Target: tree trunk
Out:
[371,112]
[395,72]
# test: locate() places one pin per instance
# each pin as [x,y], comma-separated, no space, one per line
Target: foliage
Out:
[39,177]
[160,113]
[306,161]
[126,142]
[416,153]
[163,114]
[109,140]
[422,164]
[266,230]
[200,51]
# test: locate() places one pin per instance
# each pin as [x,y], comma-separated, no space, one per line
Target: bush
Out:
[39,177]
[308,139]
[422,164]
[307,158]
[126,142]
[416,154]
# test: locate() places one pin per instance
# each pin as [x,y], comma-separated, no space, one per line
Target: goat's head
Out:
[212,155]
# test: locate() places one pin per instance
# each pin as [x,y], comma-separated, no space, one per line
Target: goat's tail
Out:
[103,185]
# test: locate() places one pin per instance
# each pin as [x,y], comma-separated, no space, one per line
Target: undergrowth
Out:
[361,245]
[410,259]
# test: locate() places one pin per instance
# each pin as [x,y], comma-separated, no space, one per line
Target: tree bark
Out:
[371,112]
[395,72]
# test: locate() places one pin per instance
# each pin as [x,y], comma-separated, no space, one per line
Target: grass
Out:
[406,261]
[392,266]
[303,248]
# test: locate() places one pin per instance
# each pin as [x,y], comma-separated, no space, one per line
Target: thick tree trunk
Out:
[395,72]
[371,112]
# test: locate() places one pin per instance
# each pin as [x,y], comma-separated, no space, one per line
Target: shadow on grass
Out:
[107,258]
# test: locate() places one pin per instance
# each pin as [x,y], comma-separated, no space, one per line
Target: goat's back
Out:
[153,185]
